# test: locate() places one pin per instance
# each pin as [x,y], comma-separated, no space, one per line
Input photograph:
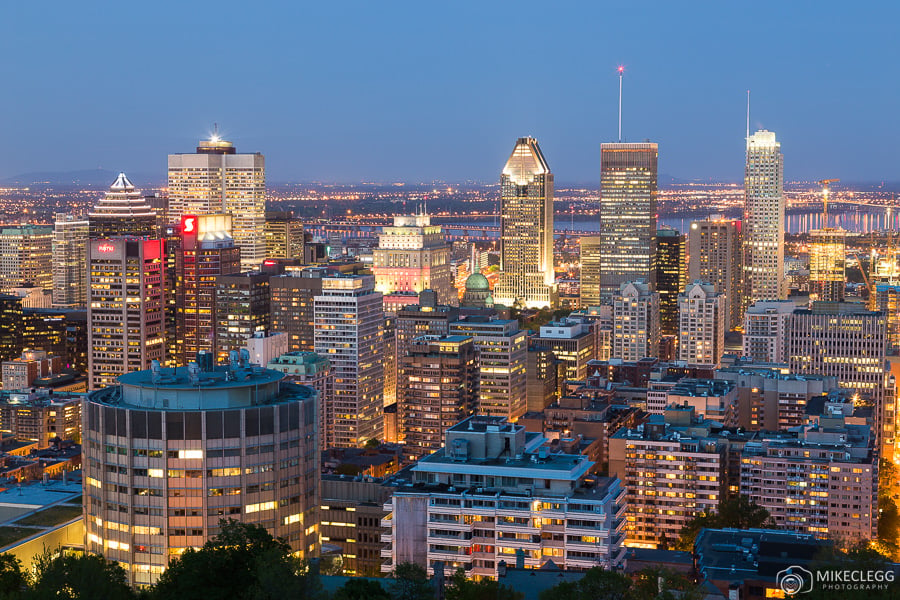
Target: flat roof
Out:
[38,495]
[178,378]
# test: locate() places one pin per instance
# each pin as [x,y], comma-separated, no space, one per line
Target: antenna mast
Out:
[748,114]
[621,72]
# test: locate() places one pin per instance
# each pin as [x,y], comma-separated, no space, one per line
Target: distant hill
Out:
[93,177]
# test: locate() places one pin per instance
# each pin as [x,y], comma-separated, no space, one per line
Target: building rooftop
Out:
[179,378]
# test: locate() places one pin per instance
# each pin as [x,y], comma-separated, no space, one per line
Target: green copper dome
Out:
[477,282]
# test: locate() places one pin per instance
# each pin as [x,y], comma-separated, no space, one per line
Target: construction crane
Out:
[825,183]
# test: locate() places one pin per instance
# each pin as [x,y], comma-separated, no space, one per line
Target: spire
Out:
[121,184]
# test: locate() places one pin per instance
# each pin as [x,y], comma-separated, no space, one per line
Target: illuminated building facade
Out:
[493,493]
[349,331]
[765,330]
[169,453]
[701,329]
[764,208]
[122,211]
[26,257]
[716,252]
[242,311]
[70,240]
[125,307]
[216,179]
[527,277]
[207,251]
[502,358]
[635,322]
[628,196]
[412,256]
[284,235]
[590,271]
[671,277]
[827,264]
[439,388]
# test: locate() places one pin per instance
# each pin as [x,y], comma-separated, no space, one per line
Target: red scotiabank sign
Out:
[189,224]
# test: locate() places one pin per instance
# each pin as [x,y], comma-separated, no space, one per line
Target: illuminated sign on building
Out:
[106,248]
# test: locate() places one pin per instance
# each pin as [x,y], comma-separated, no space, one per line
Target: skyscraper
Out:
[715,252]
[349,322]
[527,277]
[764,219]
[671,277]
[440,376]
[503,355]
[25,257]
[207,251]
[284,235]
[125,307]
[827,261]
[216,179]
[123,211]
[70,239]
[635,322]
[413,255]
[590,271]
[242,311]
[701,332]
[628,192]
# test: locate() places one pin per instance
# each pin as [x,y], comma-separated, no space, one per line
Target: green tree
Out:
[243,562]
[12,579]
[461,588]
[410,582]
[360,589]
[738,512]
[659,583]
[67,576]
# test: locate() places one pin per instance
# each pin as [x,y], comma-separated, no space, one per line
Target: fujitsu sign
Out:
[106,247]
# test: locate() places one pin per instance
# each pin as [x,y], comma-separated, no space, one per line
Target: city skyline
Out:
[439,113]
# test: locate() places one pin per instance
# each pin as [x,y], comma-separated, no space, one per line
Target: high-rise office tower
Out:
[701,331]
[440,375]
[527,277]
[242,311]
[178,438]
[671,277]
[413,255]
[716,256]
[503,356]
[842,340]
[70,239]
[590,271]
[292,298]
[125,307]
[764,219]
[827,262]
[207,251]
[284,235]
[123,211]
[25,257]
[216,179]
[765,329]
[628,193]
[349,322]
[635,319]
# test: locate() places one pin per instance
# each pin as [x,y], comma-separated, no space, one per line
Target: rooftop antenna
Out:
[748,114]
[621,72]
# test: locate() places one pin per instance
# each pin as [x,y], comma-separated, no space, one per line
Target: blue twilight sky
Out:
[416,91]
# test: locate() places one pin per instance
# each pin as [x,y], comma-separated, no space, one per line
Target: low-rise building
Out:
[350,518]
[40,416]
[491,494]
[673,468]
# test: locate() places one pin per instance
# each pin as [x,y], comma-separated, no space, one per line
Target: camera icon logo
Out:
[795,580]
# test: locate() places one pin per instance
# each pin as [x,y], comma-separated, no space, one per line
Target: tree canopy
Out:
[737,512]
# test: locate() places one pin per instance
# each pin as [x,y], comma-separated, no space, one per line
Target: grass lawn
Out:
[10,534]
[52,516]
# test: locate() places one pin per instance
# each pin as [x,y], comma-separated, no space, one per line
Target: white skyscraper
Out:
[635,322]
[70,238]
[218,180]
[765,329]
[349,330]
[764,218]
[702,324]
